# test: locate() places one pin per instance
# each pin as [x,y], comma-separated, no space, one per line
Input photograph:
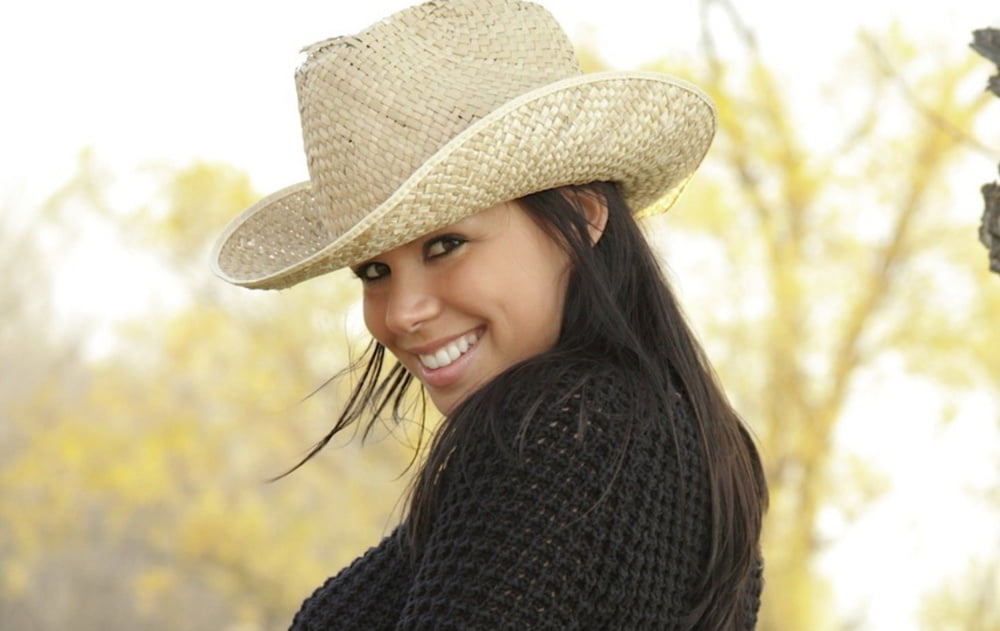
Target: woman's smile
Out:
[448,353]
[441,375]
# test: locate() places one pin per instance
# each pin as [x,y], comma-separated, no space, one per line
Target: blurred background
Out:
[826,253]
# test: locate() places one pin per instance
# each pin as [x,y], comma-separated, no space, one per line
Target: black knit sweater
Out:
[601,529]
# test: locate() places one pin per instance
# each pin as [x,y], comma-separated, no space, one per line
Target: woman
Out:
[589,473]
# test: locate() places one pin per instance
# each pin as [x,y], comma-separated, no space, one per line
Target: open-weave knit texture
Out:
[541,541]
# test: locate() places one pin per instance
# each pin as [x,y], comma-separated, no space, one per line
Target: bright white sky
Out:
[202,79]
[212,79]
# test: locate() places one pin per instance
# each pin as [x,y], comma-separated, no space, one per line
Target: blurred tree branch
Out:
[890,71]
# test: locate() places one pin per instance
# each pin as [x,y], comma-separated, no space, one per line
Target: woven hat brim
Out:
[646,131]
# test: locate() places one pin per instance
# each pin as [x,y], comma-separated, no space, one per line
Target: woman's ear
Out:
[594,207]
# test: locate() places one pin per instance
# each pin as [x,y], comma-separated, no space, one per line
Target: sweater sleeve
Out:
[519,539]
[364,595]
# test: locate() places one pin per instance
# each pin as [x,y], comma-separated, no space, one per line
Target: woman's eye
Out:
[443,245]
[371,271]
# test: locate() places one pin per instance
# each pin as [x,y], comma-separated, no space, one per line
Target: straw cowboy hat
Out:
[445,109]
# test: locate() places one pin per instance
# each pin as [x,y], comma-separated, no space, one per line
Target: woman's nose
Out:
[412,301]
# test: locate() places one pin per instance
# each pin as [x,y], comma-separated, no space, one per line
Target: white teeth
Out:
[450,352]
[442,357]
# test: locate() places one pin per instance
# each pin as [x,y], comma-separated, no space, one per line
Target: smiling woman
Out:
[589,472]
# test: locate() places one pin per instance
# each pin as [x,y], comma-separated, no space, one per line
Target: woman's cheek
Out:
[373,309]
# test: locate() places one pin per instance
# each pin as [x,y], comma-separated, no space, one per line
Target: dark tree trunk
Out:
[989,229]
[986,42]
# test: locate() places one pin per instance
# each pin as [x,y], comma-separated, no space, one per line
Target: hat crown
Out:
[377,105]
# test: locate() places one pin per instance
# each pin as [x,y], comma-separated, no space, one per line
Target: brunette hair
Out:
[619,311]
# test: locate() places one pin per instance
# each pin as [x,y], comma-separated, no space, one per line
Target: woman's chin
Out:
[446,402]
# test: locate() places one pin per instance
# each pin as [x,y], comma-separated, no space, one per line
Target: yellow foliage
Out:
[158,455]
[15,578]
[798,269]
[153,586]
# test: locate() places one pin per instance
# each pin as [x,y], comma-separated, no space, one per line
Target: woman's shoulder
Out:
[604,411]
[562,383]
[564,400]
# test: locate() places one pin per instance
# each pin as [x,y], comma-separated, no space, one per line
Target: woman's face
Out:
[461,304]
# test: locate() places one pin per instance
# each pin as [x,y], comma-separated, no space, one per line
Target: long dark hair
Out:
[619,310]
